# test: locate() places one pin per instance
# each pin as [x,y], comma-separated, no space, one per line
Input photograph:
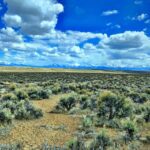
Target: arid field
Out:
[74,109]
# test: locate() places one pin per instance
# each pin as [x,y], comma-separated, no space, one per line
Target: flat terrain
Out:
[85,88]
[28,69]
[55,129]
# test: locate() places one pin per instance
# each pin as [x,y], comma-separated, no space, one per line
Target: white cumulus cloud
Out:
[34,17]
[127,40]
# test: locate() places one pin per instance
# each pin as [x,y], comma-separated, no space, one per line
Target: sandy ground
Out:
[36,132]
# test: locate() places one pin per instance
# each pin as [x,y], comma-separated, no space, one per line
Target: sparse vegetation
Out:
[105,111]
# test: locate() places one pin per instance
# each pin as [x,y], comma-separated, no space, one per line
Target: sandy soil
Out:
[55,129]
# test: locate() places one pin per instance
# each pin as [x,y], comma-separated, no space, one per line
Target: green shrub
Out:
[114,123]
[143,110]
[147,112]
[134,146]
[33,93]
[35,113]
[68,102]
[138,97]
[111,105]
[93,102]
[76,144]
[147,90]
[38,93]
[84,103]
[21,111]
[72,86]
[10,105]
[56,89]
[9,96]
[138,108]
[5,116]
[21,94]
[131,129]
[87,122]
[44,94]
[101,142]
[26,111]
[12,86]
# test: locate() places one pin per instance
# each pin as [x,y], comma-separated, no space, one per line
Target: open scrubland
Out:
[74,110]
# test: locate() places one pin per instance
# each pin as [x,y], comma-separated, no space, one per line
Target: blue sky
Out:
[110,33]
[87,16]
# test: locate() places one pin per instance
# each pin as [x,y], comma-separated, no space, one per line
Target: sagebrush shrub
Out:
[5,116]
[138,97]
[131,129]
[12,86]
[21,94]
[147,90]
[68,102]
[33,93]
[146,113]
[9,97]
[27,111]
[101,142]
[10,105]
[76,144]
[84,103]
[87,122]
[36,93]
[111,105]
[44,94]
[56,88]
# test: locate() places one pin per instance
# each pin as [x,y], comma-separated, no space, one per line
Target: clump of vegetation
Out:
[56,88]
[87,122]
[10,146]
[19,110]
[146,113]
[134,145]
[101,142]
[24,110]
[84,103]
[5,116]
[130,128]
[12,86]
[9,97]
[21,94]
[5,130]
[147,90]
[67,103]
[76,144]
[111,105]
[139,97]
[115,123]
[37,93]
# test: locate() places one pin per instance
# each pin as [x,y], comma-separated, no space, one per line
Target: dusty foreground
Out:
[55,129]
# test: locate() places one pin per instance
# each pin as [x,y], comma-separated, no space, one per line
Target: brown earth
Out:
[54,129]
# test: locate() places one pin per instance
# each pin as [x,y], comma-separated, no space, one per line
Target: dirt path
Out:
[55,129]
